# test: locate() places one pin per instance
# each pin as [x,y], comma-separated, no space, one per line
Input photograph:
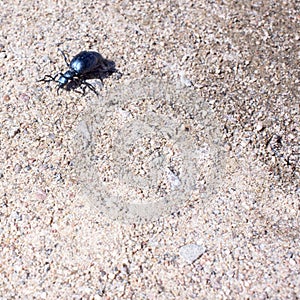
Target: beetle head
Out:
[64,78]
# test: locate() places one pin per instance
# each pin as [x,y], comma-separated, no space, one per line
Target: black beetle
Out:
[85,65]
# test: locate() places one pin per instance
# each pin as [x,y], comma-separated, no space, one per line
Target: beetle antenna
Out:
[64,56]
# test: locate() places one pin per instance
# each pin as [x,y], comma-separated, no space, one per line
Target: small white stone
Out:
[184,80]
[259,126]
[173,179]
[13,131]
[292,262]
[191,252]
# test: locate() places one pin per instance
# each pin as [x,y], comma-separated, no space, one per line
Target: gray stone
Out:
[191,252]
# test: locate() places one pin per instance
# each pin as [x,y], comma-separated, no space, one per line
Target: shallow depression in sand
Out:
[146,148]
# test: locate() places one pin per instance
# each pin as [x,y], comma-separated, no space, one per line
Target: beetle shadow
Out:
[105,69]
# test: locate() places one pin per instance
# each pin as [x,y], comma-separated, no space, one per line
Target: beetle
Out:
[85,65]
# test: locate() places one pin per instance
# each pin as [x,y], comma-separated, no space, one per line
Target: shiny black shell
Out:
[85,62]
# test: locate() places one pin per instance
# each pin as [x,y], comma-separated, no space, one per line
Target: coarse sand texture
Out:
[171,171]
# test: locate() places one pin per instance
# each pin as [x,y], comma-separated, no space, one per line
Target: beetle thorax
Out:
[64,78]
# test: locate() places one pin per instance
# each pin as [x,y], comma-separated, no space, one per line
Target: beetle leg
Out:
[81,92]
[51,78]
[90,86]
[58,89]
[65,57]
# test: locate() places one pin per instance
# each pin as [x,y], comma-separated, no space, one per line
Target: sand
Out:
[180,180]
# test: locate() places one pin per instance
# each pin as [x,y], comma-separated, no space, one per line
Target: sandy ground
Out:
[180,180]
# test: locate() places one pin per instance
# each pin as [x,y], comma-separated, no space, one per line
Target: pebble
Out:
[191,252]
[184,80]
[17,168]
[173,179]
[259,127]
[6,98]
[3,55]
[40,195]
[13,131]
